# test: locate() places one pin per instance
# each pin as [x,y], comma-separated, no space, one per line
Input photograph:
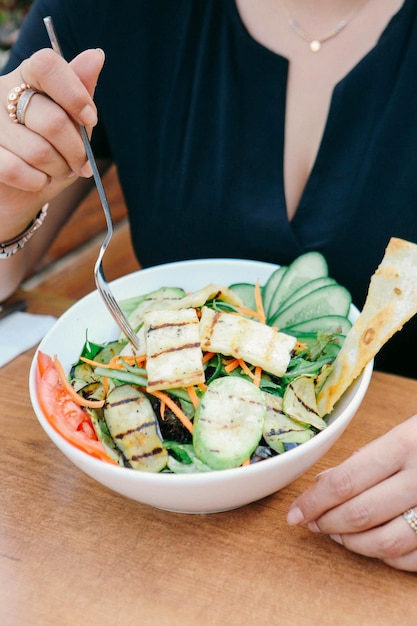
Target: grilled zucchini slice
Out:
[132,425]
[229,422]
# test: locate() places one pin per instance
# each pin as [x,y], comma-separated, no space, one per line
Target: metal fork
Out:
[101,282]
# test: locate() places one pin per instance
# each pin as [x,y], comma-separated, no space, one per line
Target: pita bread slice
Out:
[391,301]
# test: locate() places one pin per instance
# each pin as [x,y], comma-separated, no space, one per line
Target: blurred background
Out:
[12,12]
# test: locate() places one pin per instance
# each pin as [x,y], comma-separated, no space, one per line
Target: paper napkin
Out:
[21,331]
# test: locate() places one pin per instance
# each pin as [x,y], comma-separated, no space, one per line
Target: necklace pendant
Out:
[315,45]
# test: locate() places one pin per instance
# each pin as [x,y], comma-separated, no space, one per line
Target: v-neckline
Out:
[309,186]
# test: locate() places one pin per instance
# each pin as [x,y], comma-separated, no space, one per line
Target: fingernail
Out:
[295,516]
[86,171]
[320,474]
[337,539]
[88,116]
[71,175]
[313,527]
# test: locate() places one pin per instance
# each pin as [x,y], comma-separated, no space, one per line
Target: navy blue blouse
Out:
[192,111]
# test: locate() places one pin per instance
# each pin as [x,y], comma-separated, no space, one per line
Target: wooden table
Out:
[74,553]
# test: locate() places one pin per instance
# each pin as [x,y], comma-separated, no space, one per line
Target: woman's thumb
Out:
[88,65]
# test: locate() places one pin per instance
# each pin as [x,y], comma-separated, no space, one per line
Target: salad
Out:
[223,377]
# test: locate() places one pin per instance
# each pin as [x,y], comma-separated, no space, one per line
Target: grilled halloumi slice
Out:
[246,339]
[173,351]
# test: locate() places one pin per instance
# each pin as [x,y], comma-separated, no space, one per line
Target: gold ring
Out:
[13,101]
[411,517]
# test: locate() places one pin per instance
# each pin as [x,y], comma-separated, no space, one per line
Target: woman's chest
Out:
[313,75]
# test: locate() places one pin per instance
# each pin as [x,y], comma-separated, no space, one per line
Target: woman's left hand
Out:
[360,503]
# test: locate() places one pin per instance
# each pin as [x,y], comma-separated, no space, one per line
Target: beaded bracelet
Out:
[10,247]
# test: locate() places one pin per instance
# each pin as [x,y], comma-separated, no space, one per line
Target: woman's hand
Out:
[46,154]
[359,503]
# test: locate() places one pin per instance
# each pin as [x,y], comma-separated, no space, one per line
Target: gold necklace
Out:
[315,43]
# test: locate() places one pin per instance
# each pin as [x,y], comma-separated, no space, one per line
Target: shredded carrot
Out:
[115,362]
[91,404]
[300,345]
[259,303]
[246,369]
[106,385]
[202,387]
[84,359]
[257,377]
[234,363]
[246,462]
[245,311]
[162,407]
[259,312]
[193,396]
[207,356]
[231,365]
[138,359]
[174,408]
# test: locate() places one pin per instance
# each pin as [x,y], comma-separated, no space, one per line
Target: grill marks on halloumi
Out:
[173,349]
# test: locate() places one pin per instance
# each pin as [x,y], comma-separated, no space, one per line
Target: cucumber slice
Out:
[327,323]
[109,351]
[307,288]
[271,286]
[228,423]
[304,269]
[246,292]
[310,337]
[330,300]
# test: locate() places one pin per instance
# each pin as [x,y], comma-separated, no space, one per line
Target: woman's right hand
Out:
[46,154]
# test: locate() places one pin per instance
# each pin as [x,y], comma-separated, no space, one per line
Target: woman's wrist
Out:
[9,247]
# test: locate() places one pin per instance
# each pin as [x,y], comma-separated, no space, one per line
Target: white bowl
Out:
[192,493]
